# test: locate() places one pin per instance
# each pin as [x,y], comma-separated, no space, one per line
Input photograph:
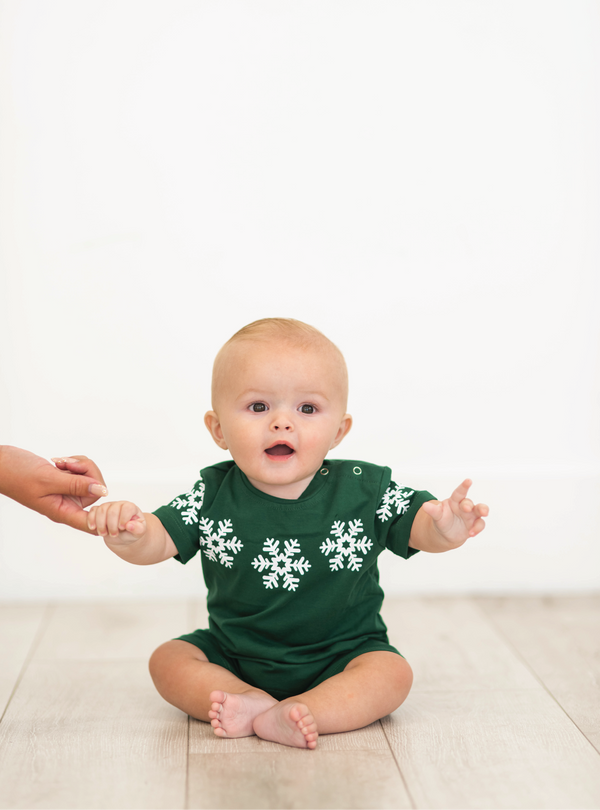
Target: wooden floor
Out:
[504,713]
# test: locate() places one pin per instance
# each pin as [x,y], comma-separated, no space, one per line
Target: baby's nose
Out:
[281,422]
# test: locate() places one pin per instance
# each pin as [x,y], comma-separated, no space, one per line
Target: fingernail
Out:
[98,489]
[57,460]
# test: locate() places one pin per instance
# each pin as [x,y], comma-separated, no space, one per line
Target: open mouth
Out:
[279,450]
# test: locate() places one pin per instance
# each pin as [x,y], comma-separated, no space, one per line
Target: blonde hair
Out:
[289,330]
[286,328]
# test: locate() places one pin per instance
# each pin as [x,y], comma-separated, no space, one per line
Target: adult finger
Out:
[80,465]
[77,519]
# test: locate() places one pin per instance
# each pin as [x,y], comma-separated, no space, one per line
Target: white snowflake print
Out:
[398,498]
[345,544]
[192,501]
[216,544]
[281,564]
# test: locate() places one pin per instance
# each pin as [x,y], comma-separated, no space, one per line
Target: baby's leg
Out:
[185,678]
[370,687]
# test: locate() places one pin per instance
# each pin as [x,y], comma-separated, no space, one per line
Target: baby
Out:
[289,542]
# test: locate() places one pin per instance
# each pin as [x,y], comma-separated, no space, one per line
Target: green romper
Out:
[293,585]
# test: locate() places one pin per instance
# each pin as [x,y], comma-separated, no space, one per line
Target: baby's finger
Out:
[100,520]
[481,510]
[477,527]
[91,519]
[113,515]
[136,526]
[466,505]
[128,511]
[460,493]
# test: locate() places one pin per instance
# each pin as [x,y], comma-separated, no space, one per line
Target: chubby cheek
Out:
[318,444]
[244,442]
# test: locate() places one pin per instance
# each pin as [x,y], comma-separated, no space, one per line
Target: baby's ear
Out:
[343,430]
[211,420]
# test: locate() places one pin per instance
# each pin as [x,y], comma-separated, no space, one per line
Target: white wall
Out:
[420,180]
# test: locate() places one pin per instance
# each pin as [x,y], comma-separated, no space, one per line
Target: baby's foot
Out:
[289,724]
[232,715]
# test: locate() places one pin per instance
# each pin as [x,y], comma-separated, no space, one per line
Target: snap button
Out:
[324,471]
[357,471]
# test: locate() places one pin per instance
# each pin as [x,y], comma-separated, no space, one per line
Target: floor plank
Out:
[297,779]
[91,734]
[354,770]
[19,627]
[451,645]
[492,749]
[112,630]
[559,638]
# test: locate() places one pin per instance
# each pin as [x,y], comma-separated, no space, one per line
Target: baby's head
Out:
[279,396]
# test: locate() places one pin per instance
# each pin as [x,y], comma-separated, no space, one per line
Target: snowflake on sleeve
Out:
[345,545]
[400,498]
[215,545]
[192,501]
[281,564]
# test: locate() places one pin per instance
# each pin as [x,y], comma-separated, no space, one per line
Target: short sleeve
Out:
[180,519]
[395,515]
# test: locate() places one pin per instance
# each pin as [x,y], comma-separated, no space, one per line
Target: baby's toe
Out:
[299,714]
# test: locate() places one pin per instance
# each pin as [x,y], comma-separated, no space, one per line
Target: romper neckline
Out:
[315,486]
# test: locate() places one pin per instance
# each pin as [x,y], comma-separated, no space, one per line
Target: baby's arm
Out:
[135,536]
[444,525]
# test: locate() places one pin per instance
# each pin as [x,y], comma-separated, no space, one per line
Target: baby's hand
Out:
[122,522]
[457,518]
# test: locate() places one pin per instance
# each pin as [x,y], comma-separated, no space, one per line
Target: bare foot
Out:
[289,724]
[232,715]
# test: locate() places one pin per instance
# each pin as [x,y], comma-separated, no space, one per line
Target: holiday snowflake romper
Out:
[293,585]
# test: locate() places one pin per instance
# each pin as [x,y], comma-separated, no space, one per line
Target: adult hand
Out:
[60,493]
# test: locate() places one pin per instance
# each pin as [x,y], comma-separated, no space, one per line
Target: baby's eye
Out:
[258,407]
[308,409]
